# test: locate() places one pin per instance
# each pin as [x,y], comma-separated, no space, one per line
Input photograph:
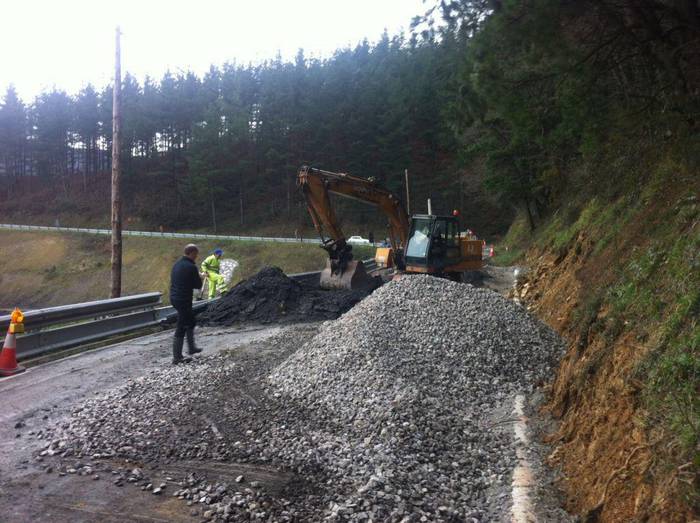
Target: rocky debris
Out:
[270,296]
[386,414]
[411,375]
[227,267]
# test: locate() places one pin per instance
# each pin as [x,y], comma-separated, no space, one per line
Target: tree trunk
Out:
[240,196]
[289,197]
[530,219]
[408,194]
[213,207]
[86,154]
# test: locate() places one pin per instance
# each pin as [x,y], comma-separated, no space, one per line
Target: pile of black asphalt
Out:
[271,296]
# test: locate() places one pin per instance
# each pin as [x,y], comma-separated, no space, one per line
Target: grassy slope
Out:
[621,281]
[43,269]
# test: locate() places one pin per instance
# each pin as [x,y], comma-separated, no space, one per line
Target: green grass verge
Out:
[511,249]
[51,268]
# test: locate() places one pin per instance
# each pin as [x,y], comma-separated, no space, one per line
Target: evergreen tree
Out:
[13,139]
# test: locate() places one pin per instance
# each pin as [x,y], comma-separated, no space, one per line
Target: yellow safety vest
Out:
[211,264]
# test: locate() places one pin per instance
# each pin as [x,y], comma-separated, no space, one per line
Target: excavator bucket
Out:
[355,277]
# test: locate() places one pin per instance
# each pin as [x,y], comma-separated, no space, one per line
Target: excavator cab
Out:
[433,244]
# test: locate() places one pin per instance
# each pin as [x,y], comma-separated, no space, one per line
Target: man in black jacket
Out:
[184,278]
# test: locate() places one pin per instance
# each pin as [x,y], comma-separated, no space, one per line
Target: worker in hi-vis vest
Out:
[210,266]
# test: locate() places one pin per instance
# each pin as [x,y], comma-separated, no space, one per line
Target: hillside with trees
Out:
[488,104]
[227,146]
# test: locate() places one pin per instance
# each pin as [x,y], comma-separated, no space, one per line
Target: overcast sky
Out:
[68,43]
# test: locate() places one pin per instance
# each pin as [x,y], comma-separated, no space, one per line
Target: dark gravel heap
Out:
[270,296]
[397,411]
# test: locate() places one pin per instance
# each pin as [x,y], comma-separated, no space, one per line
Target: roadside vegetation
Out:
[635,260]
[593,136]
[42,269]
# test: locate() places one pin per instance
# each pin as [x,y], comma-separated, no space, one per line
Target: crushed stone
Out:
[385,414]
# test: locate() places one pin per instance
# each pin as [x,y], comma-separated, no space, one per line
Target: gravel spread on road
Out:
[385,414]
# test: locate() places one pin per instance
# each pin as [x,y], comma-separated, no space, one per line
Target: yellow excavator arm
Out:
[316,185]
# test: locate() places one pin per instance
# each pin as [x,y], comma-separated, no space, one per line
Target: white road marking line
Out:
[523,478]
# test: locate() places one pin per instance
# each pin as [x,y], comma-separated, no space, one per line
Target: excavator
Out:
[423,243]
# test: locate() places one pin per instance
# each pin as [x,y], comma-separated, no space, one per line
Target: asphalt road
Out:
[47,393]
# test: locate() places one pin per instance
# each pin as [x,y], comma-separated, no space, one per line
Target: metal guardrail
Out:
[106,232]
[62,327]
[38,318]
[149,234]
[42,342]
[107,318]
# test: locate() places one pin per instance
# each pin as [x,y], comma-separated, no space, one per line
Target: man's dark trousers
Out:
[185,317]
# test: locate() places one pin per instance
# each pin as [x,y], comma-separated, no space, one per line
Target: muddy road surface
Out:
[33,490]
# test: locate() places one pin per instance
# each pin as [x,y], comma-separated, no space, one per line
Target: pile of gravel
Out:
[270,296]
[412,378]
[390,413]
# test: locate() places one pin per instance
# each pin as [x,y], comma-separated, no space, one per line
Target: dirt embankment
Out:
[616,465]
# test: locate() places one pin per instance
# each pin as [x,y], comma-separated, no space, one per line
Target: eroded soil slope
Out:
[624,299]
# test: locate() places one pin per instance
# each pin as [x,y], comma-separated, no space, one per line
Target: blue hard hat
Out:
[218,252]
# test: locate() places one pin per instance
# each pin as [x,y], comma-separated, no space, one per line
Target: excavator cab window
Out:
[440,230]
[419,241]
[438,248]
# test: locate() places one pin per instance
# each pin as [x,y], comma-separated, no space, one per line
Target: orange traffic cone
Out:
[8,356]
[491,253]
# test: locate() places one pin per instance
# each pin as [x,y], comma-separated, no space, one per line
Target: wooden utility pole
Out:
[116,175]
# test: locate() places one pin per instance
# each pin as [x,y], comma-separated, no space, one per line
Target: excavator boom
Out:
[342,271]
